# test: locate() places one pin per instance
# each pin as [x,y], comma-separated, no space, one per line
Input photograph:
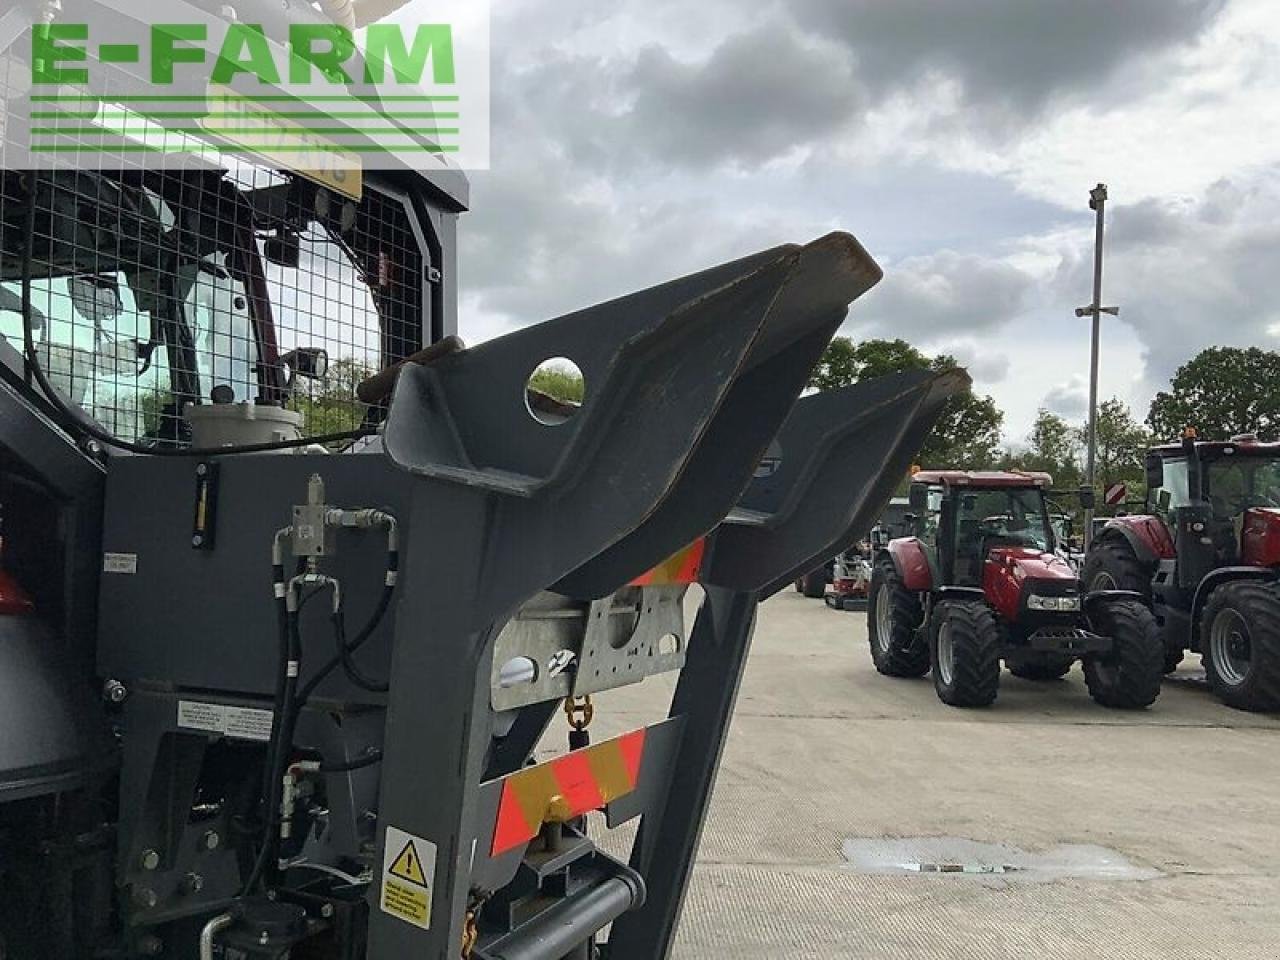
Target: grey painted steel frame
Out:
[843,454]
[660,451]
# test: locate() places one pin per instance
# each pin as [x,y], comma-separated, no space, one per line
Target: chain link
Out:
[580,711]
[470,935]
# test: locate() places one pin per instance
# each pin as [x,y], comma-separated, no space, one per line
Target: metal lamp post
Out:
[1097,203]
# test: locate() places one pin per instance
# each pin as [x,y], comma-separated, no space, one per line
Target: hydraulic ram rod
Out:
[571,923]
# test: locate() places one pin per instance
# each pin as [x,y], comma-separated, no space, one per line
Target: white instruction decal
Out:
[242,723]
[126,563]
[408,875]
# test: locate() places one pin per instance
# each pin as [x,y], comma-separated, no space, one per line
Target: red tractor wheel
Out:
[964,647]
[1127,678]
[1240,643]
[893,619]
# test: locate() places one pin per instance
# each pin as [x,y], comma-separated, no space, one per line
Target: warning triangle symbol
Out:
[407,866]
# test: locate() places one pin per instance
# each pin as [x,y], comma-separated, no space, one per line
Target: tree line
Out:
[1222,391]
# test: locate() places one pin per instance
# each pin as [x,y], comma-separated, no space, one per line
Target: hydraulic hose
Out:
[278,747]
[345,654]
[347,648]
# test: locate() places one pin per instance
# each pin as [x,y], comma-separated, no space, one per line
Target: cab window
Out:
[927,523]
[95,346]
[1173,492]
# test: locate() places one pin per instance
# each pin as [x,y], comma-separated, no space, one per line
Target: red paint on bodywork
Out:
[912,563]
[1150,531]
[1008,568]
[1260,537]
[14,601]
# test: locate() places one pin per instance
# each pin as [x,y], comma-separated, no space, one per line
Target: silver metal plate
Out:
[543,639]
[636,633]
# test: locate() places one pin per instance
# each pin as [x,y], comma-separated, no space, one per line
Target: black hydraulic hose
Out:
[281,733]
[290,698]
[350,647]
[346,653]
[75,425]
[359,763]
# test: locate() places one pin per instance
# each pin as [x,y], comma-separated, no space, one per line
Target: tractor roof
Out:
[984,478]
[1244,445]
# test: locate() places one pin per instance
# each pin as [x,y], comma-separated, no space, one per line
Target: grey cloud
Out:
[759,95]
[1069,400]
[927,298]
[1188,275]
[1018,53]
[750,99]
[985,365]
[543,241]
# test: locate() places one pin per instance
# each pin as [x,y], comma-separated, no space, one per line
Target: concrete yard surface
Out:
[1168,819]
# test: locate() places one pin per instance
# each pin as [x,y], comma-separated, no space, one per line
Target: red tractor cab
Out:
[978,582]
[1205,554]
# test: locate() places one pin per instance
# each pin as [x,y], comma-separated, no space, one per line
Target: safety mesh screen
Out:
[156,288]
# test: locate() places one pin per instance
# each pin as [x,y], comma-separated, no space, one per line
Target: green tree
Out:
[330,405]
[967,435]
[1221,392]
[1053,446]
[1122,447]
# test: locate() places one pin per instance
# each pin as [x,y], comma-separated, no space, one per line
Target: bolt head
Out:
[145,897]
[149,860]
[192,883]
[210,840]
[113,691]
[326,910]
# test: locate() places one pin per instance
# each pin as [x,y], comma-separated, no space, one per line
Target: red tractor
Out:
[1205,553]
[981,582]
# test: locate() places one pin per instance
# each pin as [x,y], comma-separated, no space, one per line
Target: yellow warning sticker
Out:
[407,866]
[408,875]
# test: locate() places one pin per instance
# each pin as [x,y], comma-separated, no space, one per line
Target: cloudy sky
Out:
[636,140]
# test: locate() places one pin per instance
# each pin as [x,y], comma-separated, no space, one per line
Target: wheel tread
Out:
[1137,659]
[1258,601]
[976,643]
[906,657]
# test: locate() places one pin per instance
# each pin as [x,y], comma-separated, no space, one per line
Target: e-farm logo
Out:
[311,96]
[245,49]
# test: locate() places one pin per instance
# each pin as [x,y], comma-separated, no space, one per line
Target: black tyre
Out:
[1127,678]
[1240,642]
[1041,667]
[964,652]
[1111,564]
[814,584]
[893,620]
